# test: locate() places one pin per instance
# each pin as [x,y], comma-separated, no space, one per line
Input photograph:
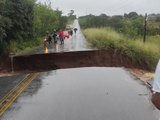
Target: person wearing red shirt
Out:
[61,36]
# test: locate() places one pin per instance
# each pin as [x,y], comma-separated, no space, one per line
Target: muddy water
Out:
[84,94]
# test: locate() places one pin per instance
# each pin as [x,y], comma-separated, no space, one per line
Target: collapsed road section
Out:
[72,59]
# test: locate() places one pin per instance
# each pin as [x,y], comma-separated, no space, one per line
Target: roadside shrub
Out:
[138,52]
[4,48]
[24,46]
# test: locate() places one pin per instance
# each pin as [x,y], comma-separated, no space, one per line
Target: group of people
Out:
[58,35]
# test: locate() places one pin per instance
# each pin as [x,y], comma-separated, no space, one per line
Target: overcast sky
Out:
[109,7]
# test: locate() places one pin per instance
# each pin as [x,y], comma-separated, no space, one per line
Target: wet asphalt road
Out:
[77,42]
[8,82]
[83,94]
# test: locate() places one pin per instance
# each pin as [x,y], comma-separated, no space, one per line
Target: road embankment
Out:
[95,58]
[52,61]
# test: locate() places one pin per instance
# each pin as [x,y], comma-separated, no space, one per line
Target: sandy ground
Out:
[143,75]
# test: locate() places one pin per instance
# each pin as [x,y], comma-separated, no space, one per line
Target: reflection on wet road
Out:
[84,94]
[8,82]
[77,42]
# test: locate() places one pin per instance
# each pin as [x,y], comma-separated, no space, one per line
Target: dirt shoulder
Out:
[143,75]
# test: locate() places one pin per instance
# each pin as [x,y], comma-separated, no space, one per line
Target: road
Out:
[75,43]
[95,93]
[8,82]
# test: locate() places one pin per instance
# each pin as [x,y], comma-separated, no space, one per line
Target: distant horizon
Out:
[108,7]
[121,14]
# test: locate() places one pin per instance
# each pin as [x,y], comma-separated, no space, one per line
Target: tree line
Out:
[130,24]
[23,20]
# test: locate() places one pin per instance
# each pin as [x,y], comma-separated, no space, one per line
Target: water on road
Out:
[95,93]
[77,42]
[84,94]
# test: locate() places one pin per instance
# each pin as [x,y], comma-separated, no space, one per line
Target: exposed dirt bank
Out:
[141,74]
[52,61]
[4,64]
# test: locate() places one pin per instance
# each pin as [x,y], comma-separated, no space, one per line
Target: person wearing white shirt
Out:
[156,87]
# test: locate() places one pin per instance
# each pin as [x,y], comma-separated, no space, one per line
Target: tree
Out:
[130,24]
[24,20]
[158,19]
[20,12]
[131,15]
[116,22]
[71,15]
[5,22]
[47,19]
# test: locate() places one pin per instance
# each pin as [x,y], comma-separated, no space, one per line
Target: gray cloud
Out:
[109,7]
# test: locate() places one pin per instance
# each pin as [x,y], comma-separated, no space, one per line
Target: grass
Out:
[144,54]
[19,47]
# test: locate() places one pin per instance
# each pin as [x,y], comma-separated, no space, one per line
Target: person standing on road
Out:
[75,30]
[46,39]
[49,39]
[70,33]
[61,36]
[54,36]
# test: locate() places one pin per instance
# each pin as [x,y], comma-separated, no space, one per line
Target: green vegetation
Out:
[71,17]
[19,47]
[138,52]
[131,24]
[23,22]
[124,35]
